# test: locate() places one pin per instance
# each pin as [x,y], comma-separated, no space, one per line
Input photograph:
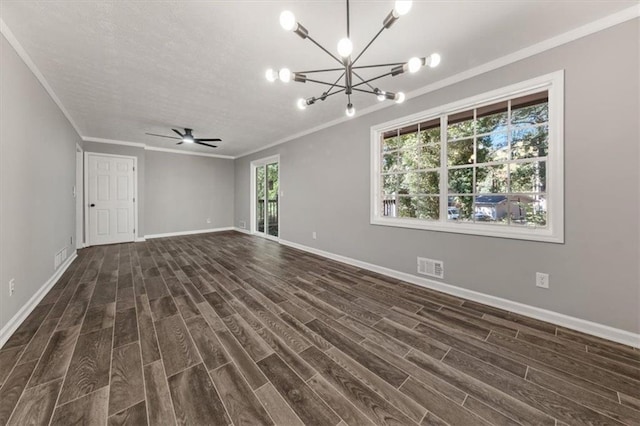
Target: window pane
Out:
[409,139]
[390,184]
[530,109]
[529,177]
[491,179]
[430,132]
[427,207]
[528,210]
[419,207]
[461,180]
[409,159]
[463,206]
[492,147]
[530,142]
[423,182]
[427,156]
[491,208]
[389,207]
[389,143]
[460,125]
[460,152]
[390,162]
[491,118]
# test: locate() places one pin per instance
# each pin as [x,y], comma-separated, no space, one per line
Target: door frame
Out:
[86,193]
[79,196]
[252,195]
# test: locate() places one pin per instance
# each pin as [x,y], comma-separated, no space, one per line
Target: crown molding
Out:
[13,41]
[113,142]
[177,151]
[548,44]
[153,148]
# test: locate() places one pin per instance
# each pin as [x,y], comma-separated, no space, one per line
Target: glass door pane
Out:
[260,198]
[272,199]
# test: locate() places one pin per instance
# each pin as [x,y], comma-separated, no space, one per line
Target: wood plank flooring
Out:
[226,328]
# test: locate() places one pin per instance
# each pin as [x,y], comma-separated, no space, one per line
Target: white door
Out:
[111,185]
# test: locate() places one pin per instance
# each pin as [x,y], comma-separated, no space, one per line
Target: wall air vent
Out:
[430,267]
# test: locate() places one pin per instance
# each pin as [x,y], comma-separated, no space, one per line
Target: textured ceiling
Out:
[123,68]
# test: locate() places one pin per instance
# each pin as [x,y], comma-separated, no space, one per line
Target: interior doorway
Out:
[110,207]
[265,197]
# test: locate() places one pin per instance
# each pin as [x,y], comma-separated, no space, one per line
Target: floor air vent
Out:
[430,267]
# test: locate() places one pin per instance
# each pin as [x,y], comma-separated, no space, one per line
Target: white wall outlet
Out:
[243,224]
[12,286]
[208,220]
[542,280]
[314,235]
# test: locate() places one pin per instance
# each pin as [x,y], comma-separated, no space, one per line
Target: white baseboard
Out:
[243,230]
[588,327]
[177,234]
[22,314]
[140,239]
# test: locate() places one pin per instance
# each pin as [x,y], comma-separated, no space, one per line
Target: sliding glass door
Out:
[266,204]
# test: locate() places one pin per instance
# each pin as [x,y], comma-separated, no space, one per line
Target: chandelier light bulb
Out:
[433,60]
[271,75]
[345,47]
[285,75]
[414,64]
[381,95]
[402,7]
[400,97]
[288,20]
[350,111]
[302,103]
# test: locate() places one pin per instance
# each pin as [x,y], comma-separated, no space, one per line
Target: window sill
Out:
[497,231]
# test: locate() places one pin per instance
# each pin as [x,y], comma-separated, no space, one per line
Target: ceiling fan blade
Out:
[179,134]
[209,140]
[179,143]
[205,144]
[161,136]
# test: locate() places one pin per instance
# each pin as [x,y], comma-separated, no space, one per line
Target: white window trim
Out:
[554,231]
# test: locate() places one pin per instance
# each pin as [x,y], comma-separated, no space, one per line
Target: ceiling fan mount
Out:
[187,137]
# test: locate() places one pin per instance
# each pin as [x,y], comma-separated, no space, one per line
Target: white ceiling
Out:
[123,68]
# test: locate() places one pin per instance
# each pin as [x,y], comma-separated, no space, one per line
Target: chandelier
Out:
[349,80]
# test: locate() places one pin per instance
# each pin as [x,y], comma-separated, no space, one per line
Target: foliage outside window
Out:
[480,167]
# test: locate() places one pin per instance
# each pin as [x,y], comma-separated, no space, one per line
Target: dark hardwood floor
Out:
[230,329]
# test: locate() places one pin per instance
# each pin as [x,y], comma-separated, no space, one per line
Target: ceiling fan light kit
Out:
[187,137]
[348,69]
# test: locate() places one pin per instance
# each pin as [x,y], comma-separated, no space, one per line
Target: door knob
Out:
[92,205]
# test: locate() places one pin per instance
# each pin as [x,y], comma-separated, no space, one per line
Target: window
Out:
[489,165]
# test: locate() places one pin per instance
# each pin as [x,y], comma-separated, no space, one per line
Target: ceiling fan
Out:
[187,137]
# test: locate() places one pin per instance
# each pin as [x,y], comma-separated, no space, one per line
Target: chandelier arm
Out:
[325,50]
[326,83]
[323,70]
[367,46]
[362,79]
[336,82]
[394,64]
[365,91]
[372,79]
[325,95]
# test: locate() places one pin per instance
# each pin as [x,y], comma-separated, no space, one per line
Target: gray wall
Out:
[37,175]
[178,192]
[593,276]
[182,191]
